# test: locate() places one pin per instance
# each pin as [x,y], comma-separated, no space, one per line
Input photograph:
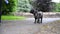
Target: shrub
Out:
[8,8]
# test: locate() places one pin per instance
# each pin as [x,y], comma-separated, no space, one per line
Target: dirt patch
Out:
[50,28]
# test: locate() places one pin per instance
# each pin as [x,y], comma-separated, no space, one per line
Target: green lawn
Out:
[12,18]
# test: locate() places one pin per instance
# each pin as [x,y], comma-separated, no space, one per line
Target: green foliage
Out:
[8,8]
[56,7]
[23,5]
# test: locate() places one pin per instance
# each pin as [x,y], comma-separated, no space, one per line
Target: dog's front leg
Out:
[35,21]
[38,20]
[41,19]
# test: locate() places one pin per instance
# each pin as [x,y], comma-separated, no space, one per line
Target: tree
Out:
[0,10]
[55,7]
[7,8]
[41,5]
[23,5]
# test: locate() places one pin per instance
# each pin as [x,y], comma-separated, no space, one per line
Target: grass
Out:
[4,17]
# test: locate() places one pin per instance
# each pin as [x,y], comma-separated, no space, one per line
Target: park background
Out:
[17,19]
[16,9]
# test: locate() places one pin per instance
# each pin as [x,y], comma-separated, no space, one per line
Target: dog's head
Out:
[33,11]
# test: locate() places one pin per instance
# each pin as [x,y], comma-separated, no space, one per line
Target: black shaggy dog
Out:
[38,15]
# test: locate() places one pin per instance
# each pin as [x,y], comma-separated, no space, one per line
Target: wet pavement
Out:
[25,26]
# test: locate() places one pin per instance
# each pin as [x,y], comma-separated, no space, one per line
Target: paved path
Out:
[30,20]
[23,27]
[45,20]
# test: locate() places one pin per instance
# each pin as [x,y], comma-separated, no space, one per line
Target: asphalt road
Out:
[23,26]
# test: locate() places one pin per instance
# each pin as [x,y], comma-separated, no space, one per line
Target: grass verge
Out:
[4,17]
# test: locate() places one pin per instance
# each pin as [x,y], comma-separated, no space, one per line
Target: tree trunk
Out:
[0,9]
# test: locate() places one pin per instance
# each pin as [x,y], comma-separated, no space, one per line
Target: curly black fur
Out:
[37,15]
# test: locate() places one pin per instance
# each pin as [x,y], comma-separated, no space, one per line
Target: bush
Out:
[56,7]
[8,8]
[23,5]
